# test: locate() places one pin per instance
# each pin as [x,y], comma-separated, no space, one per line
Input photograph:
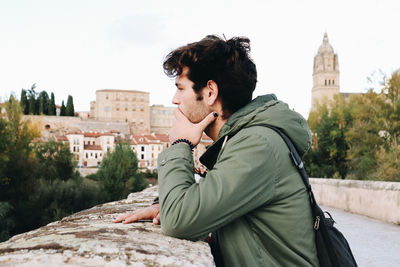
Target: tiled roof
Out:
[162,137]
[62,138]
[92,147]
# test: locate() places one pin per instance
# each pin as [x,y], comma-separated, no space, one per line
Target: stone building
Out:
[89,148]
[148,147]
[161,118]
[325,73]
[123,105]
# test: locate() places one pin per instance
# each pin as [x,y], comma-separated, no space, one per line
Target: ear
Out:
[211,92]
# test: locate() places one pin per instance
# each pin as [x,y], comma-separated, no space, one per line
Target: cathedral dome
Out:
[326,46]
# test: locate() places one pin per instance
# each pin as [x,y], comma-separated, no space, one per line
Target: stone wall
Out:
[89,238]
[379,200]
[55,125]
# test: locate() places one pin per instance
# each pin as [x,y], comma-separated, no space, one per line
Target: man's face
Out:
[189,103]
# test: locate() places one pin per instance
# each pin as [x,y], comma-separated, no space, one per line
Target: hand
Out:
[149,213]
[182,128]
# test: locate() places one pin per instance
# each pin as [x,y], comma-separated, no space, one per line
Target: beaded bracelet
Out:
[177,141]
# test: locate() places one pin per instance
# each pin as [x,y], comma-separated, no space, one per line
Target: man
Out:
[252,199]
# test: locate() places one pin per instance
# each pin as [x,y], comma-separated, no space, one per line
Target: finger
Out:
[132,218]
[120,218]
[156,220]
[210,118]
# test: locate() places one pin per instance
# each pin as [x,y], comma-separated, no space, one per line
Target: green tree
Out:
[52,105]
[70,107]
[388,154]
[33,107]
[32,103]
[55,161]
[43,103]
[17,164]
[119,174]
[24,102]
[328,155]
[363,136]
[63,109]
[38,183]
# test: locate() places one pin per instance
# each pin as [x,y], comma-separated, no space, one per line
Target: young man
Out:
[252,199]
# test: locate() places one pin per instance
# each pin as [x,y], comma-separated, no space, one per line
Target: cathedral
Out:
[325,74]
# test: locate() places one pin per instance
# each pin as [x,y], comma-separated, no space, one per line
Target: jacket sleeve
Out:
[241,180]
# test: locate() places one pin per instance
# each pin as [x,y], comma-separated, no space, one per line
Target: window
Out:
[74,149]
[95,155]
[87,155]
[333,82]
[106,109]
[142,156]
[106,96]
[91,154]
[142,148]
[152,155]
[77,149]
[325,82]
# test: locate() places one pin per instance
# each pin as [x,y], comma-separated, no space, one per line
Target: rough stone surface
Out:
[89,238]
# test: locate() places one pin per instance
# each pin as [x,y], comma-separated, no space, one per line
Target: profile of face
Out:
[191,104]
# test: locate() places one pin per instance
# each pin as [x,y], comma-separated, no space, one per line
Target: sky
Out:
[76,47]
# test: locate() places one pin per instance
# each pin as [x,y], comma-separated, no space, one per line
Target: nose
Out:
[175,99]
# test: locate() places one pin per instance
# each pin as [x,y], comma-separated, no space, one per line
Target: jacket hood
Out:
[266,109]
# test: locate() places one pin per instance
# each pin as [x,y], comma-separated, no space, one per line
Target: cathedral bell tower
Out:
[325,74]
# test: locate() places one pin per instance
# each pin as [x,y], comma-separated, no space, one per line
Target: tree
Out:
[328,155]
[70,107]
[119,174]
[358,138]
[55,161]
[52,105]
[63,110]
[32,102]
[24,102]
[16,166]
[43,103]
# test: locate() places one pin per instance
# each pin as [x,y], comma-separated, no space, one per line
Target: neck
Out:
[213,130]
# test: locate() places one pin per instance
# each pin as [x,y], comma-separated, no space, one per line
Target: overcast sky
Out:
[79,46]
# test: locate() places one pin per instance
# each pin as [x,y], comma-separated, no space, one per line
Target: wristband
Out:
[182,140]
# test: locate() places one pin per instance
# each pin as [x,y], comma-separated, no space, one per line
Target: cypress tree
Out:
[70,106]
[32,104]
[63,109]
[52,105]
[24,102]
[45,103]
[41,103]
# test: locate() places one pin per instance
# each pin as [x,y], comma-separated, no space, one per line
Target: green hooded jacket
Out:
[252,199]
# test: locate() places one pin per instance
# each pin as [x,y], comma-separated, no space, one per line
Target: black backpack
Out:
[332,247]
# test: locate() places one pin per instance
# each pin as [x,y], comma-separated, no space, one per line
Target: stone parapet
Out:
[379,200]
[89,238]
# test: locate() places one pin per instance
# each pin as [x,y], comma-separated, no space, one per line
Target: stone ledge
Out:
[89,238]
[378,200]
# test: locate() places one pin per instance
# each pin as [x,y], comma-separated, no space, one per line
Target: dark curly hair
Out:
[227,63]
